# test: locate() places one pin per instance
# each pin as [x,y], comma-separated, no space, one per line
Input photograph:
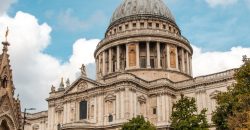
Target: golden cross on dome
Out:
[6,34]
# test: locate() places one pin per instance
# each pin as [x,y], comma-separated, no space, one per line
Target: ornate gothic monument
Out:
[10,112]
[143,65]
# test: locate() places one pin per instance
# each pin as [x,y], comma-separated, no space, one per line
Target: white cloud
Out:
[212,62]
[5,4]
[34,71]
[214,3]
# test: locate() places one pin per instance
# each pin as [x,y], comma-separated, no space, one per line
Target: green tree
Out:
[138,123]
[233,107]
[184,118]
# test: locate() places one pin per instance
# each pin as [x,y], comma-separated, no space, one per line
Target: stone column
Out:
[118,57]
[104,63]
[183,60]
[187,56]
[127,60]
[177,59]
[158,55]
[191,65]
[168,56]
[148,56]
[99,63]
[110,60]
[137,56]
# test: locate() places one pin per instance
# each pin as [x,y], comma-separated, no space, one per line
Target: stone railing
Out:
[43,114]
[138,32]
[205,79]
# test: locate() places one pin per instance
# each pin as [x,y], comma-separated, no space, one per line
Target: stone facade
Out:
[143,65]
[10,112]
[37,121]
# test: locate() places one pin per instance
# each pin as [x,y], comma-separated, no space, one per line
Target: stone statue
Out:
[53,89]
[83,70]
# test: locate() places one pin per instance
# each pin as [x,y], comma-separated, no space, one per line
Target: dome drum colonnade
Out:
[146,41]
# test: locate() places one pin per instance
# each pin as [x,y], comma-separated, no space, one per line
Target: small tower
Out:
[9,103]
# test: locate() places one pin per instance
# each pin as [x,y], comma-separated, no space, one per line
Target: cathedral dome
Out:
[150,8]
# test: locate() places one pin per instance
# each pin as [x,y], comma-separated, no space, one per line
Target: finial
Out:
[6,34]
[68,82]
[61,84]
[83,70]
[61,87]
[5,43]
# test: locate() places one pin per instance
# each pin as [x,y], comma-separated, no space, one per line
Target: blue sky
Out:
[51,39]
[213,28]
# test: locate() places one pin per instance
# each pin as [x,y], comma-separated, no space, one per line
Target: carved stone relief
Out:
[82,86]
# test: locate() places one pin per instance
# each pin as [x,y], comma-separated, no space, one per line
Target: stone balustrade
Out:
[141,32]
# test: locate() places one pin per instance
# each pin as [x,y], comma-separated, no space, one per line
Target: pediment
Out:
[59,108]
[141,98]
[80,85]
[110,97]
[214,93]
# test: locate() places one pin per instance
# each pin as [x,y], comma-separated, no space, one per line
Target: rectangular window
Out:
[157,25]
[134,25]
[126,26]
[142,25]
[154,111]
[83,110]
[152,63]
[120,28]
[110,118]
[143,62]
[150,25]
[164,26]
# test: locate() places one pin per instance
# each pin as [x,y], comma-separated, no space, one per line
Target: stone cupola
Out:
[143,39]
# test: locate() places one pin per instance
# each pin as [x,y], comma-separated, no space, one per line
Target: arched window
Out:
[4,125]
[83,109]
[35,127]
[5,82]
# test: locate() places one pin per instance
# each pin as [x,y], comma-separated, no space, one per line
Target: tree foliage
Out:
[138,123]
[184,116]
[233,107]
